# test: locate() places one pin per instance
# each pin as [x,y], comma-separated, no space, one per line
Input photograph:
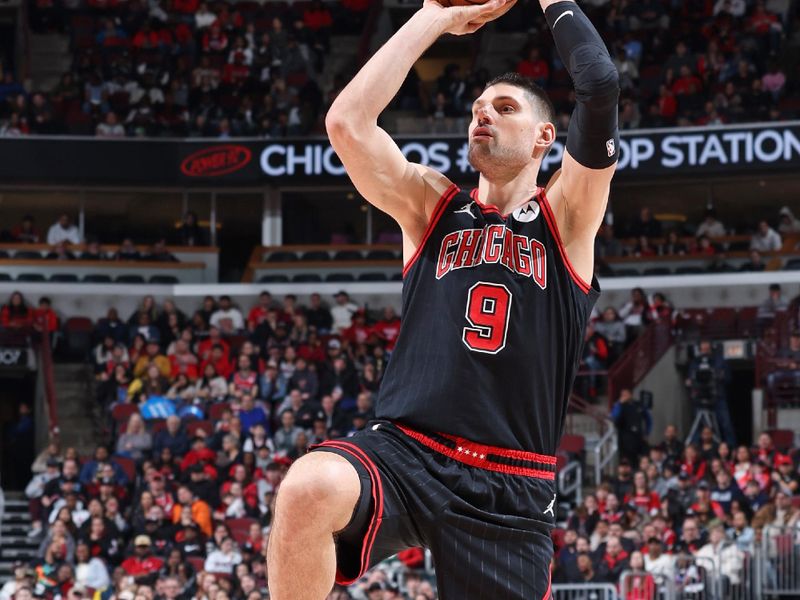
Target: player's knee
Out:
[320,489]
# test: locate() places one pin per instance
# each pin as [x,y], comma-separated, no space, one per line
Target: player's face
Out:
[505,133]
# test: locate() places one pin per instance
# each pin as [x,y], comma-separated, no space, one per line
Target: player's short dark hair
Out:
[538,98]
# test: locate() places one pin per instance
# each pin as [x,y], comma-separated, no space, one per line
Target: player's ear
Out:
[544,136]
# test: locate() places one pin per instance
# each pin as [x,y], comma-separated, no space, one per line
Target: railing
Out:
[570,481]
[583,591]
[778,561]
[604,450]
[637,360]
[46,402]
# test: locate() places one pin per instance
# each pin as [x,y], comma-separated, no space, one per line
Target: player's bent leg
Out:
[316,499]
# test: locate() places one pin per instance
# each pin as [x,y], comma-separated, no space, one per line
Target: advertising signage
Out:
[644,154]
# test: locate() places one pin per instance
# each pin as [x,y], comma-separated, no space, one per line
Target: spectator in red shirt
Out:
[388,328]
[218,360]
[142,566]
[16,314]
[667,105]
[645,500]
[214,338]
[359,331]
[46,316]
[183,361]
[236,73]
[534,67]
[215,40]
[687,84]
[258,313]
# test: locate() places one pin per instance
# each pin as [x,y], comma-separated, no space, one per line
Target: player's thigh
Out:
[483,561]
[321,489]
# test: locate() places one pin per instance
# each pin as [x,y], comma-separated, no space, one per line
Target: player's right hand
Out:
[461,20]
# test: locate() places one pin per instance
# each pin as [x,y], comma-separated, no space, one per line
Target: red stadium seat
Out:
[157,425]
[122,412]
[746,324]
[78,336]
[782,439]
[197,562]
[573,444]
[128,465]
[216,410]
[240,528]
[193,426]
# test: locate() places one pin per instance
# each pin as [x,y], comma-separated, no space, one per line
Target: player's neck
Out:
[506,195]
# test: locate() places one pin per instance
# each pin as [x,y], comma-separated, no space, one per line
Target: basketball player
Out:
[497,292]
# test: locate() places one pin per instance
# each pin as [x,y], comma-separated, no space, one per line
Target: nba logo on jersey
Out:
[610,147]
[527,213]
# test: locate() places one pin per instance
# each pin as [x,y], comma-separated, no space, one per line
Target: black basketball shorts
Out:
[484,512]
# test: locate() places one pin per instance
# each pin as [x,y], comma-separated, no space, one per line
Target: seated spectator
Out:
[754,263]
[16,314]
[227,317]
[136,441]
[645,225]
[711,226]
[224,559]
[60,252]
[766,239]
[773,304]
[194,508]
[789,224]
[153,356]
[727,559]
[127,251]
[143,567]
[657,562]
[741,533]
[172,436]
[343,312]
[110,128]
[63,231]
[672,246]
[159,253]
[26,231]
[92,251]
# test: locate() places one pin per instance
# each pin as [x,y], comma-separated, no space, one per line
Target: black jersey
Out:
[492,327]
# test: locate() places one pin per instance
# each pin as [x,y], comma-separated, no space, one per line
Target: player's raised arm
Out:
[406,191]
[590,158]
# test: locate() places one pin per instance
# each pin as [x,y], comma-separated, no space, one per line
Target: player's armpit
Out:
[406,191]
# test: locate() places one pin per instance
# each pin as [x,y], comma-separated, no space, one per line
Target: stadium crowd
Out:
[217,69]
[205,413]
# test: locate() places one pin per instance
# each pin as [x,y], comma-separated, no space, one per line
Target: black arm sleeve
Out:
[593,135]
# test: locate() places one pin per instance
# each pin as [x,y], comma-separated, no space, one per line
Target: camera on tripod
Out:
[704,383]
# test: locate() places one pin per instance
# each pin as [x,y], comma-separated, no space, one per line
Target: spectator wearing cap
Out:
[704,507]
[342,313]
[227,317]
[785,476]
[154,356]
[766,239]
[657,562]
[142,566]
[198,510]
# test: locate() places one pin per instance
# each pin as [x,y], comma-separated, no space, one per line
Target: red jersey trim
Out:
[492,208]
[476,455]
[548,592]
[551,224]
[438,211]
[377,497]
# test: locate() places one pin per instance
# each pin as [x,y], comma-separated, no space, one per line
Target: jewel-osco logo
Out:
[216,161]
